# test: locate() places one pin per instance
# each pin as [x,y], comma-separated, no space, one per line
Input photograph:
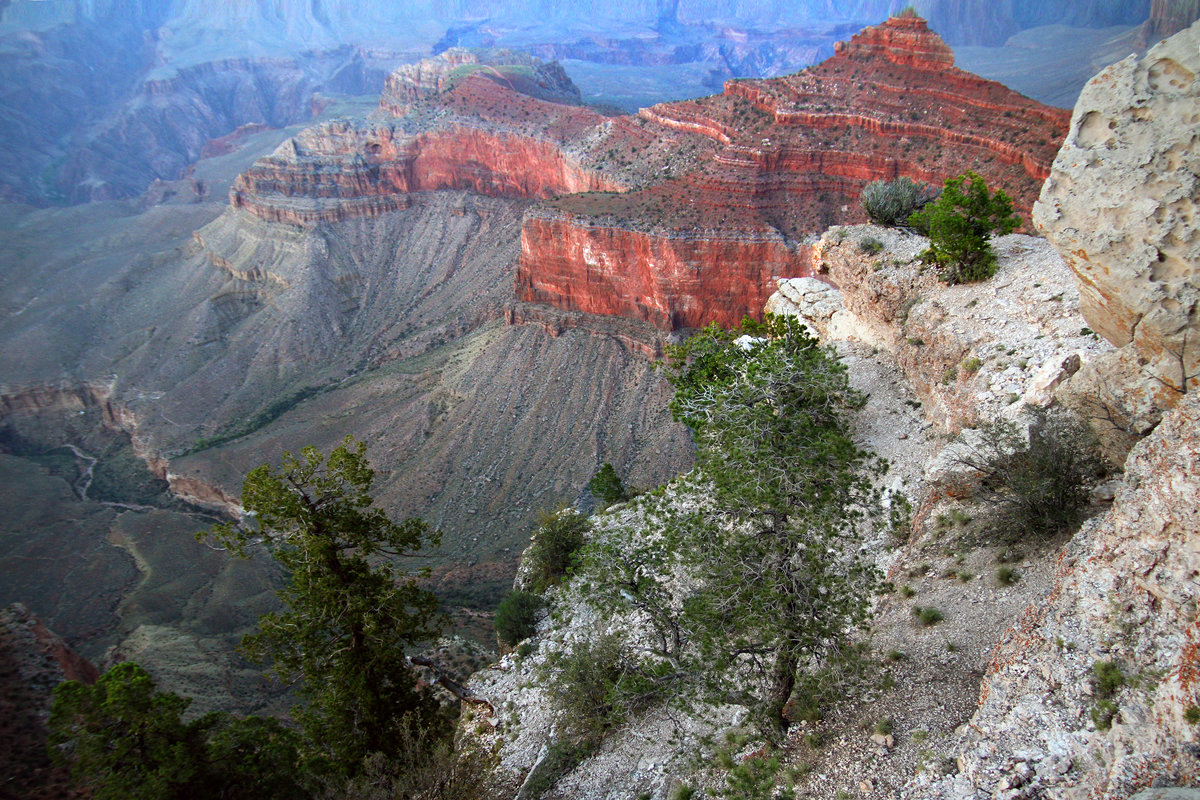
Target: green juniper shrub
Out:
[1192,715]
[1103,714]
[607,487]
[871,246]
[1007,576]
[891,203]
[927,616]
[1107,679]
[959,224]
[516,618]
[597,684]
[556,541]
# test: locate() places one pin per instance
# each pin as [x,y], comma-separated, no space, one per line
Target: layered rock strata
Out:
[791,156]
[682,214]
[1121,206]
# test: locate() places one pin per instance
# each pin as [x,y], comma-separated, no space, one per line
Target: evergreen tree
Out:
[959,224]
[125,740]
[766,527]
[350,612]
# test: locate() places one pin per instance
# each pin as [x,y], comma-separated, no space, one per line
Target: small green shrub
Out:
[891,203]
[597,684]
[556,541]
[1007,576]
[959,224]
[1039,487]
[1103,714]
[607,487]
[871,246]
[1107,679]
[895,655]
[516,618]
[683,792]
[971,365]
[883,727]
[1192,715]
[927,616]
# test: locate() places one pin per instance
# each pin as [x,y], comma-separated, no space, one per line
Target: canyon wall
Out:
[789,157]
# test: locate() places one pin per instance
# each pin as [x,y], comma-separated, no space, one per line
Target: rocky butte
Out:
[680,215]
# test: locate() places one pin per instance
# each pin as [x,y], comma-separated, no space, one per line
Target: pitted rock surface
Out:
[1121,205]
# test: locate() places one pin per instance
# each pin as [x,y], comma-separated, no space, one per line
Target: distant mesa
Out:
[682,214]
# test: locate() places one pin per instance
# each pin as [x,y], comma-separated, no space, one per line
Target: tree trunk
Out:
[783,681]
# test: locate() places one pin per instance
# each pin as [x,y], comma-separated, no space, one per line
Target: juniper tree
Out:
[351,612]
[959,224]
[765,528]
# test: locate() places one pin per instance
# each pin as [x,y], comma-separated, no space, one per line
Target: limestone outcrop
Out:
[1125,593]
[970,353]
[1121,206]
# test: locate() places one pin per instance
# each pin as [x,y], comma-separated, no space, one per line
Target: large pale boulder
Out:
[1120,205]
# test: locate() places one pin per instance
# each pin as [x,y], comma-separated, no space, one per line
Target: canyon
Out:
[102,99]
[476,266]
[681,215]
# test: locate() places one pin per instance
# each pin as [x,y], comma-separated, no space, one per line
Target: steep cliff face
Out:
[1132,163]
[789,156]
[1168,17]
[342,170]
[33,660]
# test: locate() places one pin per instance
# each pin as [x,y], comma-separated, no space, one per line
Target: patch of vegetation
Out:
[1007,576]
[1103,714]
[891,203]
[124,739]
[871,246]
[784,496]
[927,615]
[119,476]
[262,419]
[607,487]
[1040,486]
[552,554]
[1107,679]
[516,618]
[959,224]
[597,684]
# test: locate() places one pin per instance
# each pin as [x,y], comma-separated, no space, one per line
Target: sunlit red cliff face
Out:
[683,214]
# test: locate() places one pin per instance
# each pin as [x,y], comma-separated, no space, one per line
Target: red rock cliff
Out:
[789,156]
[683,213]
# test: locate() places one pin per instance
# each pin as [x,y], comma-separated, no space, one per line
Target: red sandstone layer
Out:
[682,214]
[671,283]
[792,157]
